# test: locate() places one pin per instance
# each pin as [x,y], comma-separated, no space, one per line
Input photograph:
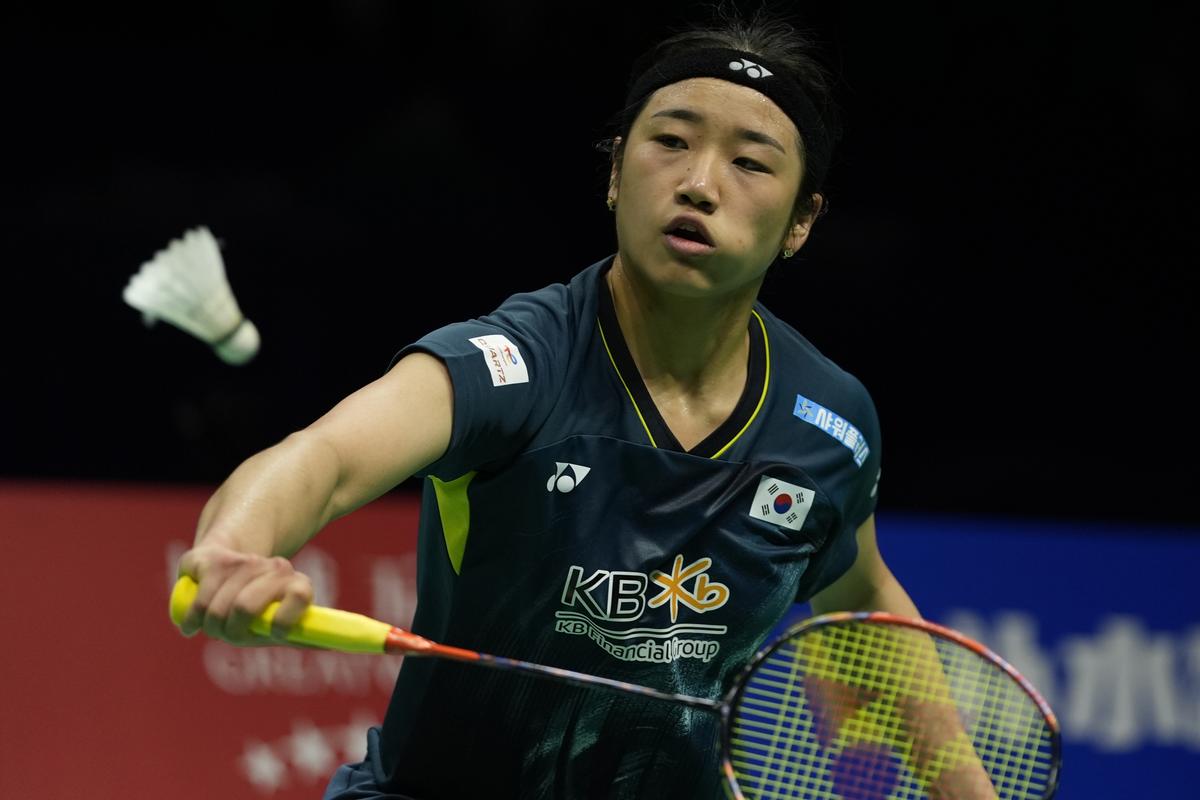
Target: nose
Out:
[698,186]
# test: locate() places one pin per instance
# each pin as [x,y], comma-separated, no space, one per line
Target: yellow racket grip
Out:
[327,628]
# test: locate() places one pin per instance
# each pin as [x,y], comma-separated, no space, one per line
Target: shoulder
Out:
[798,364]
[507,370]
[557,306]
[541,323]
[835,404]
[548,324]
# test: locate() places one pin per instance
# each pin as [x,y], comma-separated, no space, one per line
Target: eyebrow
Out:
[687,115]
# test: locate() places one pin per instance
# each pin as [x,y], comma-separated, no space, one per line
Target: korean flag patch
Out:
[782,503]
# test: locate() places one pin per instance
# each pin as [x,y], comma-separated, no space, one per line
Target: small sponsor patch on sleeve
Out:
[503,359]
[833,424]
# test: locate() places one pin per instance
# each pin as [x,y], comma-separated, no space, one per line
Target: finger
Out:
[295,602]
[267,585]
[228,604]
[208,567]
[207,581]
[189,565]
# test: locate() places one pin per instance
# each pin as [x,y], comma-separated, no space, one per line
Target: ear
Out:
[614,174]
[798,233]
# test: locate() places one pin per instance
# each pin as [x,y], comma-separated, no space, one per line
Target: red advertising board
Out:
[103,698]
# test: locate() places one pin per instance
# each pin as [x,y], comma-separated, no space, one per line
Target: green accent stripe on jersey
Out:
[454,507]
[762,398]
[617,369]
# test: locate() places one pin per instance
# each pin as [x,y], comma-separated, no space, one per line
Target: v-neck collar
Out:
[754,393]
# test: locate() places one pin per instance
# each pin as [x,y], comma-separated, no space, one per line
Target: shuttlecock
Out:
[185,285]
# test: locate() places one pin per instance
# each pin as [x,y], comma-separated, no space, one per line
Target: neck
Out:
[688,345]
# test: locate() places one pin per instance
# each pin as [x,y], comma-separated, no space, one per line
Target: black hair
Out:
[763,33]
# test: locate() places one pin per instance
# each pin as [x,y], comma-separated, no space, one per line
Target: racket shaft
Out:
[563,675]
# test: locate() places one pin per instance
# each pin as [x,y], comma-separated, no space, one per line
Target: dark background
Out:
[1005,263]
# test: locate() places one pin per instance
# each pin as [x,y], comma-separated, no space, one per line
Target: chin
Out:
[670,274]
[682,278]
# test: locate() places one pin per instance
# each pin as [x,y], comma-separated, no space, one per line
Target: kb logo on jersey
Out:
[625,592]
[616,596]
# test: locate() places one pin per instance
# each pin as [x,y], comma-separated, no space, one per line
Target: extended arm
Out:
[277,500]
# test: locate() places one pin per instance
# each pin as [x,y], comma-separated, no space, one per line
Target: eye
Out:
[752,165]
[671,141]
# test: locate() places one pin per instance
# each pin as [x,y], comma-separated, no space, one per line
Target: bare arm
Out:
[941,754]
[868,585]
[277,500]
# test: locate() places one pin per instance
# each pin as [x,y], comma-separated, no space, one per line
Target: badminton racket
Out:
[842,706]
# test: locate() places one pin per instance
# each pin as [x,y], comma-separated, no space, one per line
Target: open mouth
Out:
[689,231]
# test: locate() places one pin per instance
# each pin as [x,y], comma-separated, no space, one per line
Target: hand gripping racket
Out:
[843,706]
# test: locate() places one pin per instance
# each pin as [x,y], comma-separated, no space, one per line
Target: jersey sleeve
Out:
[857,500]
[864,485]
[506,370]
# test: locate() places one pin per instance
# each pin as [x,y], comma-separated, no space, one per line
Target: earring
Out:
[788,252]
[612,204]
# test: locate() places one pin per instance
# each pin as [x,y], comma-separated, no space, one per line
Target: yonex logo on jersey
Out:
[782,503]
[503,360]
[840,429]
[752,70]
[566,477]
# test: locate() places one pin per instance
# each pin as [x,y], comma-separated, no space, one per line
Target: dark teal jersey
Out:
[565,525]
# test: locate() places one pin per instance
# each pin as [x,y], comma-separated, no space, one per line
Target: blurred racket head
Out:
[874,706]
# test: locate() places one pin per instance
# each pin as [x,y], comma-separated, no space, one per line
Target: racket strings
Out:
[881,712]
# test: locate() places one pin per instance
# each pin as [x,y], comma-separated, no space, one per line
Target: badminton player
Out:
[635,473]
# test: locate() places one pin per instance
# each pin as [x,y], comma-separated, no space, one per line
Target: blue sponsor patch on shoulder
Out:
[833,424]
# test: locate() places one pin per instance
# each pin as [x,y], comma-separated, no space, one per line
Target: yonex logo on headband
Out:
[752,70]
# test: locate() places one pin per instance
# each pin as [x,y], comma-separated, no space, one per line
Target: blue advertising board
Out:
[1102,619]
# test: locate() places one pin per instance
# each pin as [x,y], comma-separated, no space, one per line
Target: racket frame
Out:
[733,696]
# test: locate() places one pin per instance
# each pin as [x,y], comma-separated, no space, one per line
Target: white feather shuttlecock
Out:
[185,284]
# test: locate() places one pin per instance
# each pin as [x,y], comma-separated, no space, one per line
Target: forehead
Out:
[726,104]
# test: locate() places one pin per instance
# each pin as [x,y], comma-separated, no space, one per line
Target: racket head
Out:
[828,710]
